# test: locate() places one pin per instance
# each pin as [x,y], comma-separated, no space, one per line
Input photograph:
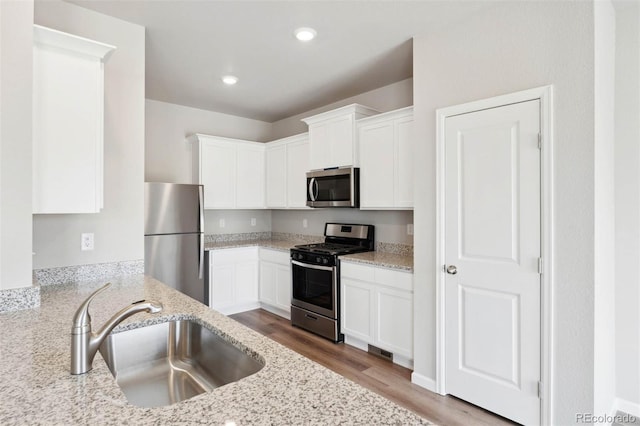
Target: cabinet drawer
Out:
[275,256]
[356,271]
[394,279]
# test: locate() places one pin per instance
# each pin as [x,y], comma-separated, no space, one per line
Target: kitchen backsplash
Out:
[395,248]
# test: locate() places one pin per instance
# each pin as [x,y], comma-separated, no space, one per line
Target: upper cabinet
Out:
[287,165]
[386,160]
[332,136]
[231,170]
[68,122]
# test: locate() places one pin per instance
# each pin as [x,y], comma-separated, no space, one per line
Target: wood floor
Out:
[381,376]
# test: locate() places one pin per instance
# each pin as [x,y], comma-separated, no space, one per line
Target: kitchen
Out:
[561,57]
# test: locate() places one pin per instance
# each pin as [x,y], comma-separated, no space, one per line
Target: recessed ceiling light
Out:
[305,34]
[230,79]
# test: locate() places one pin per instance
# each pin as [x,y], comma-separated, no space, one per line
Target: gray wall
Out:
[16,64]
[387,98]
[118,228]
[391,226]
[168,157]
[627,203]
[236,221]
[512,47]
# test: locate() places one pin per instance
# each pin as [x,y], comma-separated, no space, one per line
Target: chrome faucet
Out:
[85,343]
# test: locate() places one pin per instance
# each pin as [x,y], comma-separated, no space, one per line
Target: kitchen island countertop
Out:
[36,386]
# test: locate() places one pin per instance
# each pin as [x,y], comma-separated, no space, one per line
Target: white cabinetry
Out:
[275,281]
[231,170]
[287,165]
[68,122]
[386,160]
[377,309]
[332,136]
[233,279]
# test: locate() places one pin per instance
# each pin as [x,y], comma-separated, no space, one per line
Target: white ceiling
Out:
[361,46]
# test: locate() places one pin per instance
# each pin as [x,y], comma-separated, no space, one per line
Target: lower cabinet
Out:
[377,309]
[245,278]
[275,281]
[233,279]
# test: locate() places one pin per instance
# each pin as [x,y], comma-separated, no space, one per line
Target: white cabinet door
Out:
[385,146]
[233,279]
[250,177]
[377,152]
[217,174]
[222,280]
[246,281]
[268,283]
[297,168]
[283,287]
[356,307]
[320,147]
[404,161]
[394,321]
[275,280]
[341,142]
[276,182]
[231,170]
[332,136]
[68,123]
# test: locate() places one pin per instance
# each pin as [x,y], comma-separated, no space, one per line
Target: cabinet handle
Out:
[452,269]
[311,317]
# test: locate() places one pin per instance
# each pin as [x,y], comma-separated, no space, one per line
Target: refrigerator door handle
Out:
[201,257]
[201,208]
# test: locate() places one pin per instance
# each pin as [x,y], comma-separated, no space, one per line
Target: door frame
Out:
[545,95]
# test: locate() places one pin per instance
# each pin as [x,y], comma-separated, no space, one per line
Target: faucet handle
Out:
[81,319]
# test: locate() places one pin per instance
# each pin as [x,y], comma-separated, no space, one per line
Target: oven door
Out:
[315,289]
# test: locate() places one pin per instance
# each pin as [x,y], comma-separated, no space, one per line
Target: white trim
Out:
[424,382]
[545,95]
[626,407]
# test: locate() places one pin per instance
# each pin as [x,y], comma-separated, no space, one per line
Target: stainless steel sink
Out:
[169,362]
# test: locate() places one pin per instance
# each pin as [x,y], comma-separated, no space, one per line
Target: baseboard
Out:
[277,311]
[627,407]
[424,382]
[364,346]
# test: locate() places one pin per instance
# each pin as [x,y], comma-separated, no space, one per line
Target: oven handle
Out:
[306,265]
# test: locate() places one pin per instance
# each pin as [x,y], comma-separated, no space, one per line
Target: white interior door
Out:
[492,249]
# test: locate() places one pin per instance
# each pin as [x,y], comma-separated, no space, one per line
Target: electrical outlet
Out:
[305,223]
[253,221]
[409,228]
[222,223]
[86,242]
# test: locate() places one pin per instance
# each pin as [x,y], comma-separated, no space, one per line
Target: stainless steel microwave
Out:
[339,187]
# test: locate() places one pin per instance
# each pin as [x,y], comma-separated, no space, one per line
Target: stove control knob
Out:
[325,261]
[318,259]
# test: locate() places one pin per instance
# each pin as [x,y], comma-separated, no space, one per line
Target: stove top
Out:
[331,248]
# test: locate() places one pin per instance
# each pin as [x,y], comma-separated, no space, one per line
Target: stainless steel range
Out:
[315,302]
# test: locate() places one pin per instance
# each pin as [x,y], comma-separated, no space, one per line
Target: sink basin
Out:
[166,363]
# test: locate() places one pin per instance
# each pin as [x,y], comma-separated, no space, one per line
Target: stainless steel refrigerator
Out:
[174,237]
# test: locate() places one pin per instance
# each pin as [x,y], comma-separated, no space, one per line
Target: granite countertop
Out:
[36,387]
[378,258]
[282,245]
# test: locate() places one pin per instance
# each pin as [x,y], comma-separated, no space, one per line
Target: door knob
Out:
[452,269]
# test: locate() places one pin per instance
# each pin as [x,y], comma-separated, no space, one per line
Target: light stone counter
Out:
[282,245]
[36,387]
[386,260]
